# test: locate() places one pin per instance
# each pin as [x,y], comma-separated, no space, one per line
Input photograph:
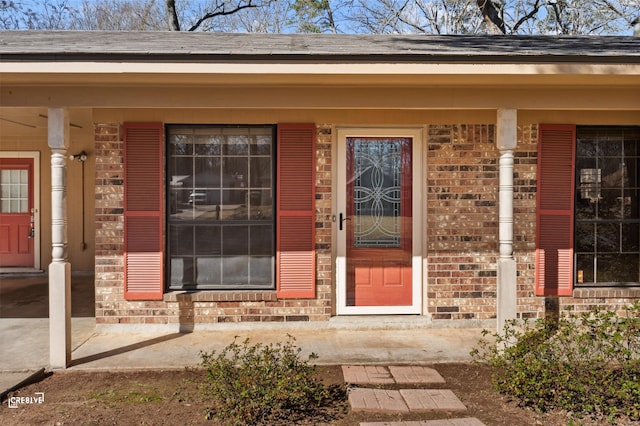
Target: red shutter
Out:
[555,201]
[295,223]
[143,242]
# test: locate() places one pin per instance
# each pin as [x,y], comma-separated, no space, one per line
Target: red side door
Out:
[16,217]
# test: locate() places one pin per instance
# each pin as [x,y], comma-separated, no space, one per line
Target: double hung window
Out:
[607,204]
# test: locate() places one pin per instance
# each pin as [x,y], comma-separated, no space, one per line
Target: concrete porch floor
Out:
[24,333]
[27,295]
[24,318]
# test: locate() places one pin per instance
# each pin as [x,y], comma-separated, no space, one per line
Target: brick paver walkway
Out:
[376,374]
[377,400]
[431,400]
[466,421]
[403,400]
[367,374]
[415,374]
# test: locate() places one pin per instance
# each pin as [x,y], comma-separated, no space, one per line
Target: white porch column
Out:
[59,269]
[507,139]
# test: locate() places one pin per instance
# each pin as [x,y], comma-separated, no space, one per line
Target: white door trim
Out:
[341,205]
[35,156]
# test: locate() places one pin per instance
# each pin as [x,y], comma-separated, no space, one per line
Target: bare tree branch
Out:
[492,16]
[330,20]
[384,18]
[532,13]
[559,20]
[172,16]
[221,11]
[601,17]
[401,18]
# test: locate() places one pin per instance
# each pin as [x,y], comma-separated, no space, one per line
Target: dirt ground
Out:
[172,397]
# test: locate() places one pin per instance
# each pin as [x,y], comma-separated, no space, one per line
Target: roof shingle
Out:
[211,47]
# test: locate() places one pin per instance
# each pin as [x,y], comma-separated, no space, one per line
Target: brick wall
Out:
[204,307]
[585,299]
[462,221]
[324,224]
[524,221]
[109,223]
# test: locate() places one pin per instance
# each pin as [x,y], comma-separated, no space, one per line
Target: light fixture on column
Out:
[82,157]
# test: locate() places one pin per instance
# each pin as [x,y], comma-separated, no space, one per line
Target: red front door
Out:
[378,221]
[16,217]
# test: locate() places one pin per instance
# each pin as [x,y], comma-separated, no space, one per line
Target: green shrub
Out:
[261,384]
[588,364]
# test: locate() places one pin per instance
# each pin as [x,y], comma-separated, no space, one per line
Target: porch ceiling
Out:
[325,98]
[30,121]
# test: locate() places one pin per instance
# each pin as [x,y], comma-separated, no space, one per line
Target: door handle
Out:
[32,230]
[341,219]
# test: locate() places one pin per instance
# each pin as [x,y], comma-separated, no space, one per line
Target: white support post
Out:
[507,139]
[59,269]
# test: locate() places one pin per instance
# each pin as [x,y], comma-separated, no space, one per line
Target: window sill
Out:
[220,296]
[607,292]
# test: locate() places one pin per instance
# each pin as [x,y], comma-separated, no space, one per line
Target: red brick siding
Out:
[585,299]
[324,224]
[461,221]
[109,222]
[524,221]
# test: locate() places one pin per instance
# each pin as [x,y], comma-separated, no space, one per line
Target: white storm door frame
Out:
[341,205]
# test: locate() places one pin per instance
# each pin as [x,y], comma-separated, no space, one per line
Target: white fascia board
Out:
[317,68]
